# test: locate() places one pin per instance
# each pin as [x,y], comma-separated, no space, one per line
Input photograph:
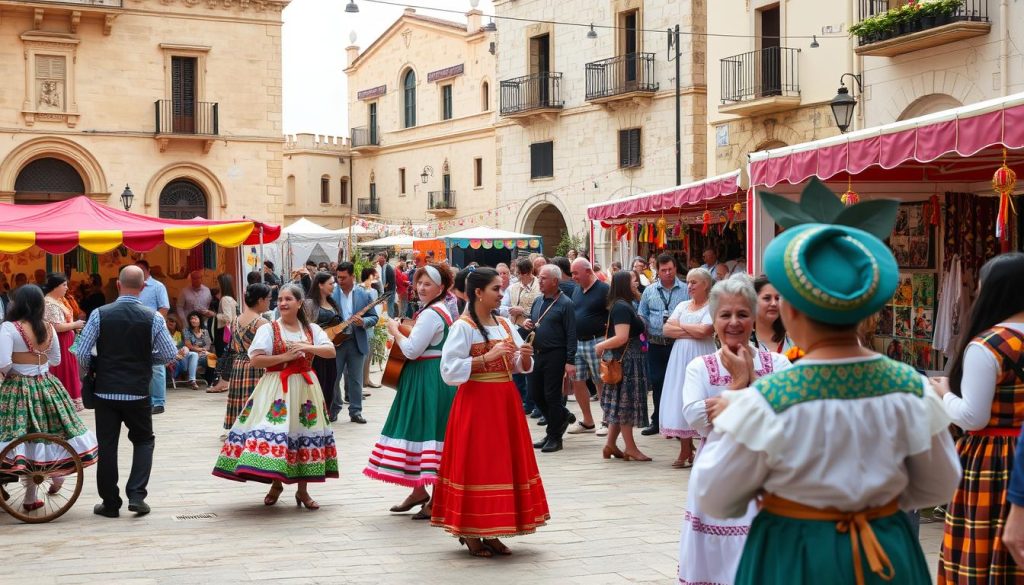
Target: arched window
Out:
[289,190]
[182,199]
[325,189]
[47,179]
[485,96]
[409,95]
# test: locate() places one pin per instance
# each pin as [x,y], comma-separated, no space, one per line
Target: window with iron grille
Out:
[629,148]
[542,162]
[325,189]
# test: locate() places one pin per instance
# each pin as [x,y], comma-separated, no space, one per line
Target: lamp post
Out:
[843,104]
[673,42]
[127,197]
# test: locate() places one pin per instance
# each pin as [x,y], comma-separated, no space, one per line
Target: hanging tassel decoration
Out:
[850,197]
[1003,182]
[707,222]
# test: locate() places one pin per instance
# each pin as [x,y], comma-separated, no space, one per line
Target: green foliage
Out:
[889,21]
[569,242]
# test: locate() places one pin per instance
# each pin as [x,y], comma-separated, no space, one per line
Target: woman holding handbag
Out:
[624,375]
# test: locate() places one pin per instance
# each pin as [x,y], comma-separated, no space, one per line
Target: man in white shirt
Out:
[711,263]
[195,298]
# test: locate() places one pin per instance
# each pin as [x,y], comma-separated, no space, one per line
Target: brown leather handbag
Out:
[611,370]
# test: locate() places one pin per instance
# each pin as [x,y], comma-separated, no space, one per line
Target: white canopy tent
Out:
[299,241]
[399,241]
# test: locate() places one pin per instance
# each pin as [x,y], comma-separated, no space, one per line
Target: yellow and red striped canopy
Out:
[59,227]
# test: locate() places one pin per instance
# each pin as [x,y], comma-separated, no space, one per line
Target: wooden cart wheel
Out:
[56,486]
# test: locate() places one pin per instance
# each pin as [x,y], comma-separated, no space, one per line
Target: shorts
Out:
[587,364]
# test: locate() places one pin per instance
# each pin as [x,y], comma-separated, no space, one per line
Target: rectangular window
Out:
[372,122]
[629,148]
[183,94]
[542,160]
[446,102]
[325,190]
[373,191]
[344,192]
[401,181]
[51,77]
[478,172]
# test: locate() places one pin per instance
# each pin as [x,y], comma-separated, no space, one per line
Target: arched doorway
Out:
[183,199]
[929,104]
[547,222]
[47,179]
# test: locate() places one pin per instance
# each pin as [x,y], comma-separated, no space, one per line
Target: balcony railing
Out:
[633,72]
[540,91]
[200,118]
[769,72]
[441,200]
[365,136]
[368,206]
[879,21]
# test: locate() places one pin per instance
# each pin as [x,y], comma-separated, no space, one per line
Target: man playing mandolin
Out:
[355,304]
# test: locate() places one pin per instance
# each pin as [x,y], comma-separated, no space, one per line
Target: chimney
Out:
[473,21]
[352,50]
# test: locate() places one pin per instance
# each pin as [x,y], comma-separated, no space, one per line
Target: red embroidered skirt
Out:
[488,485]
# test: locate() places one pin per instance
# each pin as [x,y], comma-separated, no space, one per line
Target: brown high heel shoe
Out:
[497,547]
[307,501]
[628,457]
[610,452]
[481,549]
[273,495]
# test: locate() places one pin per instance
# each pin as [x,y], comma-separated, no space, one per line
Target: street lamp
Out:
[127,197]
[843,104]
[593,33]
[428,171]
[351,8]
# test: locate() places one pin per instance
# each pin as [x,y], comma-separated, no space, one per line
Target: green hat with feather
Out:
[831,262]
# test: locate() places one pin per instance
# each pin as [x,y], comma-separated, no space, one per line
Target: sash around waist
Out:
[490,377]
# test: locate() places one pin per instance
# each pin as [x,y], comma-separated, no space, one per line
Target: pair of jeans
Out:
[158,386]
[349,365]
[137,416]
[657,364]
[189,364]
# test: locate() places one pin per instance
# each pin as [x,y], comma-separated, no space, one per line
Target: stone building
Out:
[181,100]
[421,106]
[766,89]
[587,114]
[316,180]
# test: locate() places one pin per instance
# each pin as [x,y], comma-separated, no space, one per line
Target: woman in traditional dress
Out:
[625,402]
[244,376]
[709,549]
[32,399]
[488,485]
[320,308]
[59,314]
[836,445]
[769,331]
[197,339]
[690,324]
[410,448]
[283,435]
[984,395]
[227,310]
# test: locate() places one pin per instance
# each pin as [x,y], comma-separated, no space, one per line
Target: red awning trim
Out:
[965,131]
[666,200]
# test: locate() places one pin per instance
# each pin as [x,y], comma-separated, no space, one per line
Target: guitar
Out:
[396,359]
[337,333]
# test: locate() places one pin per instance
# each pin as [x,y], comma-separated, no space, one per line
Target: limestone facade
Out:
[85,83]
[316,180]
[589,98]
[766,92]
[422,105]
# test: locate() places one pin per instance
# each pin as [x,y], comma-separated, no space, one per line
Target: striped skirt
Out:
[972,547]
[244,378]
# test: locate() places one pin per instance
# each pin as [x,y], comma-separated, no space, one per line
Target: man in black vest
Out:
[129,339]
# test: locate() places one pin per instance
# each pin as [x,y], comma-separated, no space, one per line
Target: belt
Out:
[490,377]
[996,432]
[856,523]
[588,338]
[659,340]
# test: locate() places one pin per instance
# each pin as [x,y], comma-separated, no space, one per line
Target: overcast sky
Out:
[315,35]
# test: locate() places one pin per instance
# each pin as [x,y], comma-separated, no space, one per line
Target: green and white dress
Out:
[409,450]
[848,442]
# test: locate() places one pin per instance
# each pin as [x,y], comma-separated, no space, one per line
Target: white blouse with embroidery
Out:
[456,363]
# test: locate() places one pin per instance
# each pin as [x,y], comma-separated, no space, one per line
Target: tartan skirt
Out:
[625,403]
[972,547]
[244,378]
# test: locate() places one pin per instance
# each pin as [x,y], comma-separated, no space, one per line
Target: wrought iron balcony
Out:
[368,206]
[621,77]
[539,93]
[759,82]
[441,202]
[183,120]
[366,137]
[887,28]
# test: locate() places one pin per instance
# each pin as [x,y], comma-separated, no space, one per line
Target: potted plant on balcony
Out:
[939,12]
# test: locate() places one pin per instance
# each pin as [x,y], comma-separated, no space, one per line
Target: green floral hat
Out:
[830,263]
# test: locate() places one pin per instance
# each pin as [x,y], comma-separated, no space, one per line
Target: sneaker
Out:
[602,430]
[580,428]
[571,397]
[594,398]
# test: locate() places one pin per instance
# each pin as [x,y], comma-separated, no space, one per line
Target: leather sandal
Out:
[409,505]
[481,549]
[497,546]
[683,463]
[610,452]
[273,495]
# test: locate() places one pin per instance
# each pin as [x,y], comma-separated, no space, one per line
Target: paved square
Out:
[612,521]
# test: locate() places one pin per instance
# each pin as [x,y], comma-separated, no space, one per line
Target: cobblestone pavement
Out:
[612,521]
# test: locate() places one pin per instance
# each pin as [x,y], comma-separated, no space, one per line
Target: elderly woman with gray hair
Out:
[709,548]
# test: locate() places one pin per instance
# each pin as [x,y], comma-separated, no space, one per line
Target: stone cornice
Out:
[243,5]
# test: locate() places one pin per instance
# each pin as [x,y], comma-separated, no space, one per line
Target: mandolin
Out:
[337,333]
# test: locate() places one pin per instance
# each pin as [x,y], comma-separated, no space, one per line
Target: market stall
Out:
[681,220]
[489,246]
[954,174]
[302,240]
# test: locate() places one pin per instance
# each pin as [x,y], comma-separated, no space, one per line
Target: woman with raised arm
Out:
[411,444]
[282,434]
[488,485]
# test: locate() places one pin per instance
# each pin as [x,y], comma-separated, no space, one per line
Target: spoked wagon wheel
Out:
[35,492]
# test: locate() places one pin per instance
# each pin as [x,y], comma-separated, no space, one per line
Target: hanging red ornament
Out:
[1003,182]
[934,208]
[850,197]
[707,222]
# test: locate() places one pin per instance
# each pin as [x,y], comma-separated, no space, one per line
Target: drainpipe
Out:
[1004,47]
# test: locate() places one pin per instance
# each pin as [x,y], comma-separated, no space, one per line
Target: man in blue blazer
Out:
[350,355]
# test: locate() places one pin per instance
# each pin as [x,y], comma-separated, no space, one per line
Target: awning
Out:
[59,227]
[488,237]
[964,131]
[667,201]
[399,241]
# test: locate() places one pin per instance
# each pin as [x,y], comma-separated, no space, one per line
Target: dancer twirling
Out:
[283,435]
[410,448]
